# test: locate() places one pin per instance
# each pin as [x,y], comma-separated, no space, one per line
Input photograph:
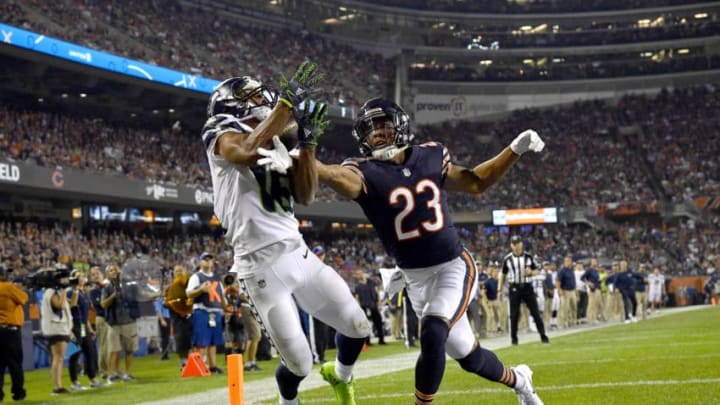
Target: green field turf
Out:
[673,359]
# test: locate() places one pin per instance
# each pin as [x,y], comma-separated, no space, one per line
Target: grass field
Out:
[673,359]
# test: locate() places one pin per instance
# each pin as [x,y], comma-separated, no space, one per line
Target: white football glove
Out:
[526,141]
[276,159]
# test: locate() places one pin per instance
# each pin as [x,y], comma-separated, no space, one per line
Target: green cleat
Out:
[344,392]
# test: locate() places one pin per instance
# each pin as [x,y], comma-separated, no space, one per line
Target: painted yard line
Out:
[631,359]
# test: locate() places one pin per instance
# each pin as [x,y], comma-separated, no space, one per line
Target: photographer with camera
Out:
[12,316]
[102,329]
[234,328]
[82,331]
[120,314]
[55,320]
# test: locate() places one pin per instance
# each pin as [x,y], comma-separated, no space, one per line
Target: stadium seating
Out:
[207,44]
[538,6]
[663,133]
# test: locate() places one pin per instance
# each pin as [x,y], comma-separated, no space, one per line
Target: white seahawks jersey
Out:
[656,282]
[255,205]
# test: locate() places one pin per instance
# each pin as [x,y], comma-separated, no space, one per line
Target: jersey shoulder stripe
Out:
[353,164]
[219,124]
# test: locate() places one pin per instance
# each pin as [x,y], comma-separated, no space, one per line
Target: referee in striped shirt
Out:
[518,267]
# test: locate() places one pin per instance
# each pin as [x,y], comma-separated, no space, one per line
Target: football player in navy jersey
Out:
[402,190]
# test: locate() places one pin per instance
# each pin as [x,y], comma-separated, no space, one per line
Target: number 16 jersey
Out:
[254,204]
[407,205]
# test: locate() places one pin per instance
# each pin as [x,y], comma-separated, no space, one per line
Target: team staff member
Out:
[519,267]
[565,284]
[367,296]
[12,317]
[591,278]
[641,281]
[625,282]
[180,311]
[490,295]
[205,287]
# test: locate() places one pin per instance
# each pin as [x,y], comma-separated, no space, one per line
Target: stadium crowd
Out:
[662,130]
[142,253]
[537,6]
[169,34]
[590,34]
[571,68]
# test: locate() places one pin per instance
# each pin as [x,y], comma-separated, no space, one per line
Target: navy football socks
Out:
[287,381]
[348,349]
[431,362]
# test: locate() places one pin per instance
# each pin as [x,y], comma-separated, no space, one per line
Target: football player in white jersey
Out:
[656,289]
[254,202]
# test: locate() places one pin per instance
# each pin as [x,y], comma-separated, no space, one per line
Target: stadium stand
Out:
[538,6]
[150,32]
[584,129]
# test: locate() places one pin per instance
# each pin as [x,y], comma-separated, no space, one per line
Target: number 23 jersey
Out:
[254,204]
[407,205]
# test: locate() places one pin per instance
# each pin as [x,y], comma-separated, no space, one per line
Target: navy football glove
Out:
[312,123]
[301,85]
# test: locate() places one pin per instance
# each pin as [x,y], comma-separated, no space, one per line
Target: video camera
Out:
[229,279]
[50,277]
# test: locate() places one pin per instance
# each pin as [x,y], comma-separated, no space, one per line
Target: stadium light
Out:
[699,16]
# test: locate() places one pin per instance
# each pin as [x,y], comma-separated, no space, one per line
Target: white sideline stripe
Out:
[540,389]
[636,359]
[266,388]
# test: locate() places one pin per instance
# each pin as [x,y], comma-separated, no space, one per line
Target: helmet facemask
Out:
[244,98]
[397,119]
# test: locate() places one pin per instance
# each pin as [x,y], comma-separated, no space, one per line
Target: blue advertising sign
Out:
[102,60]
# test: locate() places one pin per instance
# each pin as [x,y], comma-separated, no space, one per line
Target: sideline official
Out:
[519,267]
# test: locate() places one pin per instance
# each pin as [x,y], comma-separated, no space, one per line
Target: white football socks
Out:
[519,380]
[343,372]
[284,401]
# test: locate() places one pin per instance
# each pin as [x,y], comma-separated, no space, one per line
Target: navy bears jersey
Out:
[407,205]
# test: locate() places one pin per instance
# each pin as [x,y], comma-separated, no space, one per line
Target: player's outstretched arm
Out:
[343,180]
[312,124]
[489,172]
[242,148]
[305,177]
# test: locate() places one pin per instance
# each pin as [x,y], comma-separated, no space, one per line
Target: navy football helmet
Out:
[237,96]
[381,108]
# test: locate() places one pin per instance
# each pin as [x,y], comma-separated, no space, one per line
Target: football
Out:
[289,136]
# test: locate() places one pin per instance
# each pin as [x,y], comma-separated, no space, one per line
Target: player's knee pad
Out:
[296,356]
[355,320]
[433,335]
[461,340]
